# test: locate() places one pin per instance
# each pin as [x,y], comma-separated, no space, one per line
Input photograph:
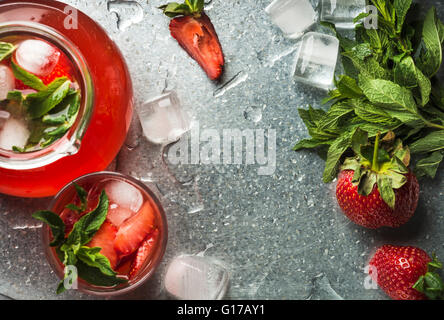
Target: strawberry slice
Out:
[104,238]
[144,253]
[134,230]
[195,33]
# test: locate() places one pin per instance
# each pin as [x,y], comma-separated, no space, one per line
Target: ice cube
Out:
[7,81]
[292,16]
[4,116]
[124,195]
[316,60]
[196,278]
[118,215]
[13,134]
[342,12]
[37,57]
[163,119]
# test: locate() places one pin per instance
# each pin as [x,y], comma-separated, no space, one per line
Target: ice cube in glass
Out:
[7,81]
[293,17]
[196,278]
[342,12]
[316,61]
[37,57]
[14,133]
[163,119]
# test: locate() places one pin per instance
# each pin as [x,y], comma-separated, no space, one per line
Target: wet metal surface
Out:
[281,234]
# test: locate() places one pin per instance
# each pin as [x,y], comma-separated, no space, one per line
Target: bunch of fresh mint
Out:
[72,250]
[51,111]
[389,84]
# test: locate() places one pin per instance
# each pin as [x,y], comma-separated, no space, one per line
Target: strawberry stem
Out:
[375,165]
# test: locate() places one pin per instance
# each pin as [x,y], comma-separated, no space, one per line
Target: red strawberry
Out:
[104,238]
[197,36]
[378,192]
[134,230]
[371,211]
[144,253]
[404,273]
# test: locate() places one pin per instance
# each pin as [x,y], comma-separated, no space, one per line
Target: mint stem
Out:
[375,166]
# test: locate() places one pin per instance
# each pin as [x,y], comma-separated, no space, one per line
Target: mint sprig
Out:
[389,85]
[27,78]
[91,265]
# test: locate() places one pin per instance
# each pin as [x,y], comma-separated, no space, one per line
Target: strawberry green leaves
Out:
[91,265]
[190,7]
[384,164]
[431,283]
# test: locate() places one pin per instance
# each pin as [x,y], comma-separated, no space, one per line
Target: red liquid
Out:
[113,101]
[147,240]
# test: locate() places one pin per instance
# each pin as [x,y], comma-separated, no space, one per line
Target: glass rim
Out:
[149,270]
[70,143]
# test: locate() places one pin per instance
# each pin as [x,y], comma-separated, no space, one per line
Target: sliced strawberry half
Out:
[144,253]
[197,36]
[104,238]
[134,230]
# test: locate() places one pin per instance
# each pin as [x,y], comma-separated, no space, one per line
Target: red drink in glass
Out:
[106,106]
[133,236]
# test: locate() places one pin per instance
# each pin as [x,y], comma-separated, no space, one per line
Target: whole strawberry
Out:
[195,33]
[406,273]
[376,188]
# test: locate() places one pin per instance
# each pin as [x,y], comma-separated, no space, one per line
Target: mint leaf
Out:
[27,78]
[335,152]
[408,75]
[398,101]
[93,258]
[89,224]
[95,276]
[401,9]
[6,49]
[428,166]
[40,103]
[432,142]
[430,54]
[55,223]
[348,87]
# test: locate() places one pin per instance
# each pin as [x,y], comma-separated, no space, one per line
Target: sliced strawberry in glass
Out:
[134,230]
[144,253]
[104,238]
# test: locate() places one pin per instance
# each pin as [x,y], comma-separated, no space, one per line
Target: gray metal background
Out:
[281,236]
